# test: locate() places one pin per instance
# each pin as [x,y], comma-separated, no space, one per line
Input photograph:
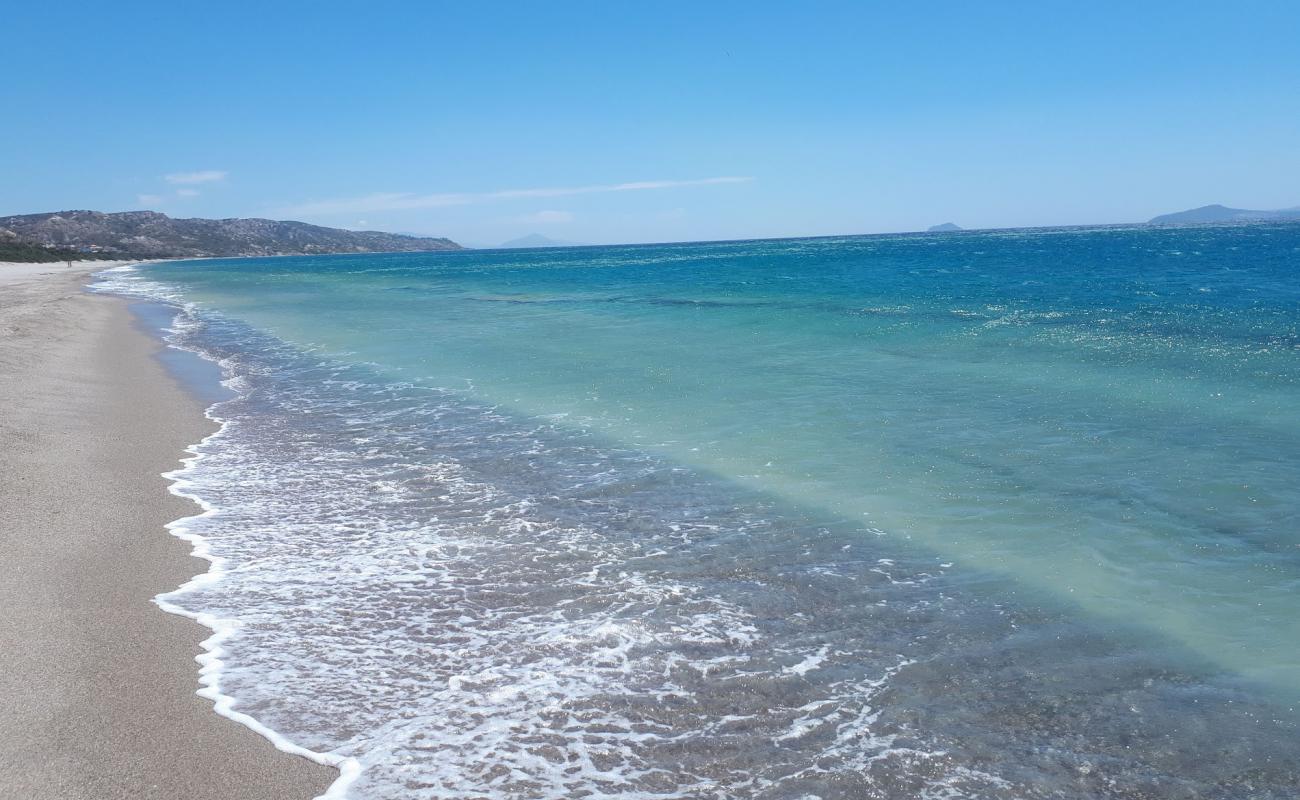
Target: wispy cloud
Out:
[400,201]
[148,199]
[187,192]
[544,217]
[201,176]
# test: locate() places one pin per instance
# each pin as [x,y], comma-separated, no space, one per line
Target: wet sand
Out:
[97,683]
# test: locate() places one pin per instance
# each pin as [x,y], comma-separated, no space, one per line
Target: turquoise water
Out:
[1007,514]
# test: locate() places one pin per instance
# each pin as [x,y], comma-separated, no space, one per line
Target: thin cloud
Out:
[187,192]
[401,201]
[201,176]
[148,199]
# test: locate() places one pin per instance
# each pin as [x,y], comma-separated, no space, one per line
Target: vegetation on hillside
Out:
[28,252]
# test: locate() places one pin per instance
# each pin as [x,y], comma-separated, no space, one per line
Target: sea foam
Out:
[721,521]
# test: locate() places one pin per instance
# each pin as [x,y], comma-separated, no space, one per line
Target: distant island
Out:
[1218,213]
[943,227]
[150,234]
[536,240]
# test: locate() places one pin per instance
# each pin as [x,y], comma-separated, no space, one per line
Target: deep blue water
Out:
[1008,514]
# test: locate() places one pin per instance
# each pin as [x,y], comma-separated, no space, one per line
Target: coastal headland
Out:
[99,682]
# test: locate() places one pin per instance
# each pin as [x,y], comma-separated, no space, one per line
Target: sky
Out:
[635,122]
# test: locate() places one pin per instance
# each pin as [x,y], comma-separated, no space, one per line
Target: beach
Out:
[99,683]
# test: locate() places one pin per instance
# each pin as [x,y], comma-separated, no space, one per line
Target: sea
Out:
[1003,514]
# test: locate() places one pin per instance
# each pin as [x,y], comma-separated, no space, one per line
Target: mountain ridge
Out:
[1221,213]
[152,234]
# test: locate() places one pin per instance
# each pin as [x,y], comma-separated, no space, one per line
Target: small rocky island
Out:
[943,227]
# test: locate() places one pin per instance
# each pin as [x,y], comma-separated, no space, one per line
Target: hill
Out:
[149,234]
[943,227]
[536,240]
[1218,213]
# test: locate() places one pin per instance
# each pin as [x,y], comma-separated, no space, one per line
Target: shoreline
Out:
[100,683]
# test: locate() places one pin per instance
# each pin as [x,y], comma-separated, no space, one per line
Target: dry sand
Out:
[96,683]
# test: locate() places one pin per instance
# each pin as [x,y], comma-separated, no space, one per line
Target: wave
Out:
[443,598]
[124,280]
[556,643]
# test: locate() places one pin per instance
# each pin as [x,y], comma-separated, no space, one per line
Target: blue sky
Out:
[612,121]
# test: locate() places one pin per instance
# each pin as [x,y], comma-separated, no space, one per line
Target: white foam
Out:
[810,663]
[379,605]
[210,661]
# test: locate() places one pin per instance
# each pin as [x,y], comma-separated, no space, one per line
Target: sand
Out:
[96,682]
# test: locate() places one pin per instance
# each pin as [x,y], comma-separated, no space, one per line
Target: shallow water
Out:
[1003,514]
